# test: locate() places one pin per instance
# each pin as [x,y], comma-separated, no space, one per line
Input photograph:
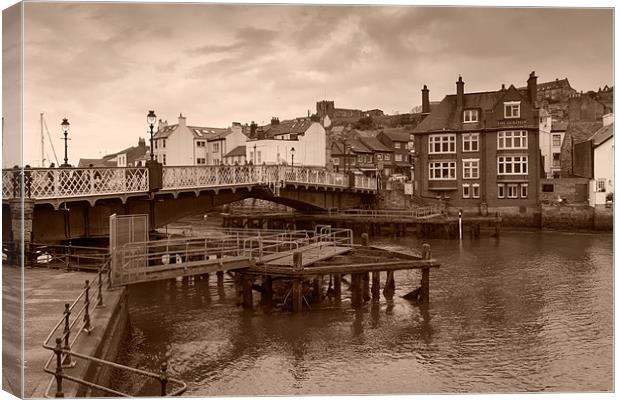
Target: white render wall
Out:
[309,149]
[603,169]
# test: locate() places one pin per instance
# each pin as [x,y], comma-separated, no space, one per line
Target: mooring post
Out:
[248,302]
[376,283]
[356,290]
[317,288]
[425,282]
[220,278]
[298,261]
[365,239]
[163,378]
[297,294]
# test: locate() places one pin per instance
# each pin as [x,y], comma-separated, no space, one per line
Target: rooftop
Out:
[238,151]
[602,135]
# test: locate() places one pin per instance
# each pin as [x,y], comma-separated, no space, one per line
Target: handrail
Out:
[65,356]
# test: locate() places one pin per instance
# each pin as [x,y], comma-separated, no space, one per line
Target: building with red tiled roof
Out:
[480,150]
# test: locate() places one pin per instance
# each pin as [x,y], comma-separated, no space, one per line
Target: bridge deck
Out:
[310,255]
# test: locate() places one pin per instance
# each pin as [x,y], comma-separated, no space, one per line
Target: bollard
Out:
[58,373]
[99,285]
[364,239]
[297,261]
[87,327]
[426,251]
[163,378]
[67,362]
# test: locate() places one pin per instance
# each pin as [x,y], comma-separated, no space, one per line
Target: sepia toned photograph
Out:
[225,199]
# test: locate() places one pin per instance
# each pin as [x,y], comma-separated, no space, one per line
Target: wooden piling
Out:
[220,278]
[390,285]
[337,286]
[297,261]
[376,283]
[317,289]
[248,301]
[366,286]
[425,282]
[356,290]
[297,295]
[365,240]
[267,293]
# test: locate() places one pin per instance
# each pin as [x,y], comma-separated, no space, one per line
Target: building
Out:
[236,156]
[351,155]
[594,159]
[551,138]
[400,140]
[556,91]
[480,151]
[382,155]
[181,144]
[301,141]
[590,106]
[134,156]
[576,132]
[327,108]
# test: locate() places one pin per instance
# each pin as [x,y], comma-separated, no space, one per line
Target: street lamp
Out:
[292,156]
[151,118]
[65,131]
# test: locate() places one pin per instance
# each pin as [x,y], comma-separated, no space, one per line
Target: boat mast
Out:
[42,142]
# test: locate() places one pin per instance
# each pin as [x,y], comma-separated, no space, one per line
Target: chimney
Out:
[426,105]
[162,124]
[460,94]
[181,120]
[253,127]
[275,121]
[531,88]
[142,142]
[503,86]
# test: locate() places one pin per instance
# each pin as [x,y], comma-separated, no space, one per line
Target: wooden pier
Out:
[373,222]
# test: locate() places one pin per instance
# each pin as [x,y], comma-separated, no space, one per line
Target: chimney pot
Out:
[460,94]
[532,88]
[426,105]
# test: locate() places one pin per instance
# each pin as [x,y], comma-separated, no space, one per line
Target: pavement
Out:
[45,293]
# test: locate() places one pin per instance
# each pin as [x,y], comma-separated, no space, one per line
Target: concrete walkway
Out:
[45,292]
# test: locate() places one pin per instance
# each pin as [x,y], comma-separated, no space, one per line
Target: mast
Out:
[42,142]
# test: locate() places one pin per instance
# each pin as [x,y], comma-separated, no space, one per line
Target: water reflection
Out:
[530,312]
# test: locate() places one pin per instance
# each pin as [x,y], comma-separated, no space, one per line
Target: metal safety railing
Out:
[417,212]
[69,257]
[76,320]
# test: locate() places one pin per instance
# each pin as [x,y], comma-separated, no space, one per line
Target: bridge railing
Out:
[365,182]
[417,212]
[52,183]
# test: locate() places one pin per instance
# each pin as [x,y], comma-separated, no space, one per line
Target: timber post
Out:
[366,286]
[356,289]
[425,282]
[364,239]
[337,286]
[267,294]
[248,301]
[297,294]
[220,278]
[376,283]
[390,285]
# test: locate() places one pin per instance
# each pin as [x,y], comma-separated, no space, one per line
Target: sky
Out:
[105,65]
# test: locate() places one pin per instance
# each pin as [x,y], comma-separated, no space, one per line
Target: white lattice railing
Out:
[53,183]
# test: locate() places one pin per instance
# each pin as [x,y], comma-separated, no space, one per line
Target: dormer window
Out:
[470,116]
[512,109]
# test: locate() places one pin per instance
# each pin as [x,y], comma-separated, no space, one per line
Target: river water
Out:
[530,311]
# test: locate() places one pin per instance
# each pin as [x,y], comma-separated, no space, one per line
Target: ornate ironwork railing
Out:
[53,183]
[59,183]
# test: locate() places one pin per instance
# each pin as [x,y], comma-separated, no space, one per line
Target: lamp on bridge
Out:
[151,118]
[65,131]
[292,156]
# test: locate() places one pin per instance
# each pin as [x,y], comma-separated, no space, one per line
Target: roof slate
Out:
[236,152]
[299,125]
[602,135]
[582,131]
[397,134]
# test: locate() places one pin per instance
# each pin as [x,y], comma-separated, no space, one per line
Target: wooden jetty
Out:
[420,222]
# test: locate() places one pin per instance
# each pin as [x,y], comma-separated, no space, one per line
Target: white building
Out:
[180,144]
[550,142]
[602,183]
[299,142]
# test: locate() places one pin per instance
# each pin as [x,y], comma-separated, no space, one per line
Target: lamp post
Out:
[151,118]
[65,131]
[254,156]
[292,156]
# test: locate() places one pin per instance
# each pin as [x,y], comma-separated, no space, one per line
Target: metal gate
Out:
[126,229]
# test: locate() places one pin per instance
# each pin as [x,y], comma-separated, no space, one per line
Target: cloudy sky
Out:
[105,65]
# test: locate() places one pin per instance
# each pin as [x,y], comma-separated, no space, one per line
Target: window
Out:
[397,145]
[216,147]
[258,160]
[470,141]
[164,160]
[511,190]
[512,140]
[442,170]
[200,143]
[470,116]
[466,191]
[200,160]
[512,165]
[557,140]
[335,161]
[360,158]
[442,143]
[156,143]
[471,169]
[512,109]
[380,157]
[387,157]
[475,191]
[600,185]
[398,157]
[556,160]
[524,190]
[163,143]
[500,191]
[547,187]
[369,158]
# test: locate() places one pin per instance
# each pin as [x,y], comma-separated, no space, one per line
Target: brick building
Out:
[480,150]
[399,140]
